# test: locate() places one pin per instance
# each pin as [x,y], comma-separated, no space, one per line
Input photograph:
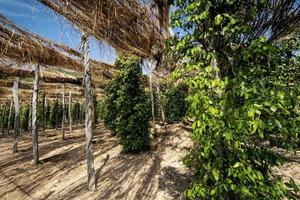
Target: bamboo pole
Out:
[35,94]
[64,112]
[88,113]
[17,116]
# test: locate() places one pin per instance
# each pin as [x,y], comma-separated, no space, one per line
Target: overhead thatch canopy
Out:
[26,47]
[12,72]
[52,90]
[127,25]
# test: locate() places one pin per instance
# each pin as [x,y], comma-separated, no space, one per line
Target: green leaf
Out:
[251,112]
[228,136]
[216,174]
[236,165]
[213,192]
[218,19]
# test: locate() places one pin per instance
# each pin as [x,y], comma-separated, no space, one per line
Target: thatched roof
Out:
[52,90]
[25,47]
[127,25]
[13,72]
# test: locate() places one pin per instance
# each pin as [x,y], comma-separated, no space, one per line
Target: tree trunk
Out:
[70,111]
[64,112]
[152,102]
[34,116]
[162,111]
[88,114]
[9,116]
[17,116]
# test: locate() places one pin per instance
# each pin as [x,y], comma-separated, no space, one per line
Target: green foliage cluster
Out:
[175,104]
[55,114]
[126,111]
[76,112]
[101,110]
[244,94]
[24,118]
[4,112]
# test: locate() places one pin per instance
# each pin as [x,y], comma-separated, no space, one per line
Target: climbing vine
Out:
[244,94]
[127,112]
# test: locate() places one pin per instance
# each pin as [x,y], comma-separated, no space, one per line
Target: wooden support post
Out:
[162,111]
[88,113]
[34,115]
[152,102]
[3,119]
[17,115]
[20,103]
[80,113]
[30,117]
[56,114]
[64,112]
[43,112]
[9,116]
[46,111]
[70,111]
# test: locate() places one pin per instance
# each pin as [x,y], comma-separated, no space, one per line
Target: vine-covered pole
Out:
[17,115]
[88,113]
[35,149]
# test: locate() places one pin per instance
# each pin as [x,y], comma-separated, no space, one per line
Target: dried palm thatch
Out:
[12,72]
[26,47]
[52,90]
[127,25]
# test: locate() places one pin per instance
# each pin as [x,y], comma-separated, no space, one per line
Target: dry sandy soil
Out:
[159,174]
[155,175]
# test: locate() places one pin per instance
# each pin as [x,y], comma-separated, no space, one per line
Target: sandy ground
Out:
[158,174]
[155,175]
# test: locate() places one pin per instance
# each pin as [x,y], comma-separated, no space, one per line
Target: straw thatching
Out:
[25,47]
[127,25]
[12,72]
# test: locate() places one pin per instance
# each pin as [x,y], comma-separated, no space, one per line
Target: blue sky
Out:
[41,20]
